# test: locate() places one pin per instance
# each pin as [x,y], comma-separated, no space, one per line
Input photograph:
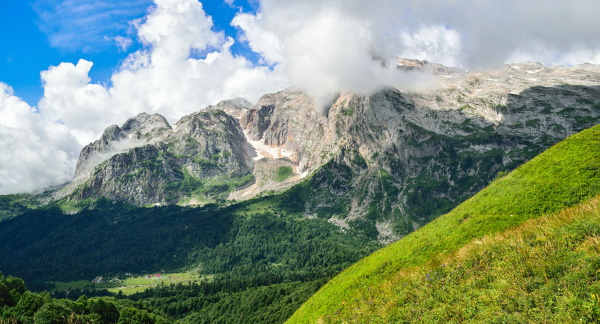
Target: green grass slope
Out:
[546,270]
[564,176]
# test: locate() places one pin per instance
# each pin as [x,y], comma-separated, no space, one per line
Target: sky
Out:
[71,68]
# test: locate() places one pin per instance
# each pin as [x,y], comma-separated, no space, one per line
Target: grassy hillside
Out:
[563,176]
[545,270]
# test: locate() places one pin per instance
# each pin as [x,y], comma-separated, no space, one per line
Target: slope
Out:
[543,271]
[563,176]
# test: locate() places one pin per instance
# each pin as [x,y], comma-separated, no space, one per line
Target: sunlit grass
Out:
[133,284]
[564,176]
[544,270]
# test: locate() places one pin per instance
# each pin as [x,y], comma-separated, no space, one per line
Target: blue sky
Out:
[38,34]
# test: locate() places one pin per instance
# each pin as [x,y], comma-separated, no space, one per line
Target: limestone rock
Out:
[236,107]
[379,165]
[393,160]
[146,161]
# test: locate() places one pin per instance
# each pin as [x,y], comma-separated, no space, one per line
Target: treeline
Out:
[230,301]
[19,305]
[51,246]
[263,257]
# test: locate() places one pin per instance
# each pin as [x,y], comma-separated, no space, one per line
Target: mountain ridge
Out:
[438,145]
[317,190]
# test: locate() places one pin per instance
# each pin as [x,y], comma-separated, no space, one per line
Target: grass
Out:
[133,284]
[544,270]
[561,177]
[283,173]
[13,205]
[206,190]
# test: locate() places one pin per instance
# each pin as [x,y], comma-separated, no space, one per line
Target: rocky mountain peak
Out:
[236,107]
[144,124]
[136,131]
[414,65]
[146,161]
[390,159]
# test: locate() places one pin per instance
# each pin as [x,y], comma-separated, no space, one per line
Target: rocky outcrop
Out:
[139,130]
[236,107]
[288,119]
[202,157]
[412,65]
[381,165]
[387,163]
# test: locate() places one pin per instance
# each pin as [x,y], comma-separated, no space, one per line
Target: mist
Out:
[328,46]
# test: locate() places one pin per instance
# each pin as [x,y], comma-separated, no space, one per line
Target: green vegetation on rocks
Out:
[284,172]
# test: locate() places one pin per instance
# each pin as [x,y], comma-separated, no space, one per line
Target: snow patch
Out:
[266,151]
[535,71]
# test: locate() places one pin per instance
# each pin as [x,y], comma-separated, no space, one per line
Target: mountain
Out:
[427,150]
[529,261]
[146,161]
[272,200]
[475,265]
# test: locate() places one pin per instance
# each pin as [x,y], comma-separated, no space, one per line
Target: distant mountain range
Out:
[274,199]
[391,161]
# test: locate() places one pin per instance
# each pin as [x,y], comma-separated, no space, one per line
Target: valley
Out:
[250,210]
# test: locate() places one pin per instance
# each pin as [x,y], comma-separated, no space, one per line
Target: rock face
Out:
[138,131]
[236,107]
[146,161]
[288,119]
[382,164]
[389,162]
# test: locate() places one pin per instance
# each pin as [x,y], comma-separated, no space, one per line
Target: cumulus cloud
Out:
[329,45]
[36,152]
[261,40]
[322,48]
[435,43]
[183,67]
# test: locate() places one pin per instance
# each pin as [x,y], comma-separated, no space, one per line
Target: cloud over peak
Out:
[183,67]
[322,46]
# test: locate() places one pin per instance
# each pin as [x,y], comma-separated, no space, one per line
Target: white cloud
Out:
[536,52]
[36,152]
[81,106]
[434,43]
[183,67]
[334,53]
[327,46]
[260,40]
[330,46]
[123,43]
[83,24]
[468,33]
